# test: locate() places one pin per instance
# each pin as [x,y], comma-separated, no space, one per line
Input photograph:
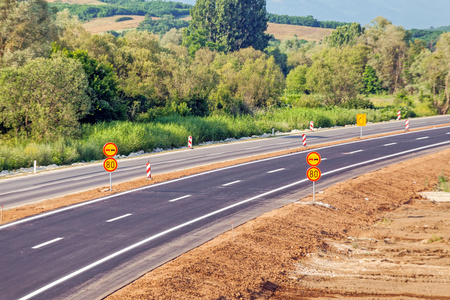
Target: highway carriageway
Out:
[88,250]
[45,185]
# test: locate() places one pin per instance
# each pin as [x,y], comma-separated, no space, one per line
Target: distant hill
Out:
[441,28]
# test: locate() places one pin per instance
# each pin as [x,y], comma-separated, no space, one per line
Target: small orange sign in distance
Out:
[313,173]
[110,164]
[110,149]
[313,159]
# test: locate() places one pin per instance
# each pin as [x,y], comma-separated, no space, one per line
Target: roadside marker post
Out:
[110,164]
[313,173]
[304,139]
[406,125]
[311,125]
[361,120]
[190,142]
[149,170]
[399,115]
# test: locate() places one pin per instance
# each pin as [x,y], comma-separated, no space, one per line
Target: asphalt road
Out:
[45,185]
[90,249]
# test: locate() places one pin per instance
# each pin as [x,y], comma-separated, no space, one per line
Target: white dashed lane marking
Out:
[118,218]
[47,243]
[179,198]
[230,183]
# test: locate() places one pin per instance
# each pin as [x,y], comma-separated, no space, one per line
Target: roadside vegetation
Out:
[65,92]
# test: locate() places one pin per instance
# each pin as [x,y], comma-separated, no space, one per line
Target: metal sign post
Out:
[110,164]
[313,159]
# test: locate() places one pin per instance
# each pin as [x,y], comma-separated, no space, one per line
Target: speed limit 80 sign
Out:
[110,164]
[313,173]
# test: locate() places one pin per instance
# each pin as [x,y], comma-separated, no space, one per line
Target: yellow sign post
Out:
[361,120]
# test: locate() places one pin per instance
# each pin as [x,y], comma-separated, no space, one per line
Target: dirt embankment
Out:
[376,238]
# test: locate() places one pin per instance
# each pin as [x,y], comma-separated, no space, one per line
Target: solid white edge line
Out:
[46,243]
[448,133]
[131,247]
[230,183]
[192,176]
[423,138]
[118,218]
[390,144]
[179,198]
[277,170]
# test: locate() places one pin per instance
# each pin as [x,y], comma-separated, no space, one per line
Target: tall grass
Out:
[167,132]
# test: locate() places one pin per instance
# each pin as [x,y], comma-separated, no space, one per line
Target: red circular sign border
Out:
[104,152]
[104,162]
[320,173]
[320,158]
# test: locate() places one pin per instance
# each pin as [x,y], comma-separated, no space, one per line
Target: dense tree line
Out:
[161,26]
[121,7]
[309,21]
[429,36]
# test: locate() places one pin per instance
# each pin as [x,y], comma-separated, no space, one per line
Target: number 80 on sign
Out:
[110,164]
[313,173]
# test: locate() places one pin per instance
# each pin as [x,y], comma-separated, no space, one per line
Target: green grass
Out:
[172,131]
[434,239]
[442,184]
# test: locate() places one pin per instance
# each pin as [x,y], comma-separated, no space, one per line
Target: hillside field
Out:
[100,25]
[280,31]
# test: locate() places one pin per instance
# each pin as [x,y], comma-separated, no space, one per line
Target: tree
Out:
[296,80]
[336,73]
[229,24]
[26,30]
[248,79]
[371,83]
[102,91]
[389,45]
[344,35]
[437,74]
[43,99]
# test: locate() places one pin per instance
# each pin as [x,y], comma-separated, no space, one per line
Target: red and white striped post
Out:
[406,125]
[399,115]
[149,170]
[190,142]
[304,139]
[311,125]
